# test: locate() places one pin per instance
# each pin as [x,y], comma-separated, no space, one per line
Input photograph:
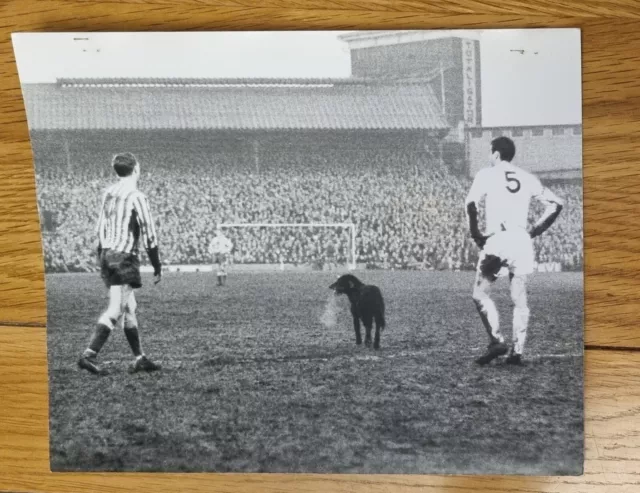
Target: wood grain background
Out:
[611,95]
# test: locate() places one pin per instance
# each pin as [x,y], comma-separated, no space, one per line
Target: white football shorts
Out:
[514,248]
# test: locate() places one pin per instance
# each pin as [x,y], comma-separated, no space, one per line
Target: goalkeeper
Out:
[219,249]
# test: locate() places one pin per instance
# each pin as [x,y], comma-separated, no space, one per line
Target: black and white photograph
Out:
[311,251]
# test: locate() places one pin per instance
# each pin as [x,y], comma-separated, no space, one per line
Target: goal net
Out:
[318,244]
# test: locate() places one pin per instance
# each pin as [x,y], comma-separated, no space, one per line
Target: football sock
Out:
[100,336]
[134,340]
[489,316]
[520,322]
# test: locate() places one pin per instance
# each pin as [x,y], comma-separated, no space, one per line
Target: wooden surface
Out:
[611,94]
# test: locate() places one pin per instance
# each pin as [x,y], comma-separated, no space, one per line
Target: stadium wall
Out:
[451,65]
[552,152]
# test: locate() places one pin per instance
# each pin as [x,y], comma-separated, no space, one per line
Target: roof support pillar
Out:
[256,154]
[67,151]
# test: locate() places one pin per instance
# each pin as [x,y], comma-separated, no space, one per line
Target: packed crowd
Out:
[405,216]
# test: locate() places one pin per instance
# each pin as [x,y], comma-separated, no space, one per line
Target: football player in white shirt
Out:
[507,244]
[220,249]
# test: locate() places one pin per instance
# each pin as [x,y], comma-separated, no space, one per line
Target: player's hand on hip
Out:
[480,240]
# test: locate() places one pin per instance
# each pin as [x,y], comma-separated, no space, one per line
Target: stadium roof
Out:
[231,104]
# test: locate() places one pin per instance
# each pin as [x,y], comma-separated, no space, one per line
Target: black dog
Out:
[367,305]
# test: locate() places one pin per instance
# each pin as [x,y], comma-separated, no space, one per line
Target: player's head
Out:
[126,164]
[502,149]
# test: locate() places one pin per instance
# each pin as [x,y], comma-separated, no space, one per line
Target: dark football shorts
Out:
[120,269]
[221,258]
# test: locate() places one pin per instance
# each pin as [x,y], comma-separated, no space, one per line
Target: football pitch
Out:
[253,382]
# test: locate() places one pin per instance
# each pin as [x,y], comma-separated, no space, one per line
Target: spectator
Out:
[408,211]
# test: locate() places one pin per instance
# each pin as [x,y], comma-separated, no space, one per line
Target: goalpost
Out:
[351,263]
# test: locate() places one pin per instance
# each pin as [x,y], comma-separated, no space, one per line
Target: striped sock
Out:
[99,338]
[133,337]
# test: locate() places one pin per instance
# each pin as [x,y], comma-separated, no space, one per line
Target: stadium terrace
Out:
[381,154]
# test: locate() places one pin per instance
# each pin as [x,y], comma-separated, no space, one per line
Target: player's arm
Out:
[476,192]
[554,206]
[148,232]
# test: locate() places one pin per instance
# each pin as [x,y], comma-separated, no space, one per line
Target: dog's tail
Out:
[380,320]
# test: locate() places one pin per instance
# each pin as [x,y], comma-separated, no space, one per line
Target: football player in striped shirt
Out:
[125,220]
[219,249]
[507,243]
